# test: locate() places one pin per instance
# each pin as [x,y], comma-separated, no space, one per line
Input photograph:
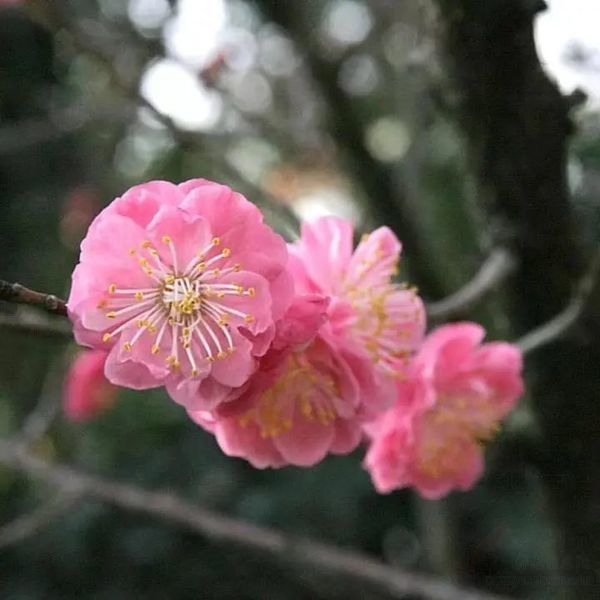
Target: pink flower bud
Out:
[87,392]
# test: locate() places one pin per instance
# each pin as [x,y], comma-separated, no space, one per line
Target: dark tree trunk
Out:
[517,125]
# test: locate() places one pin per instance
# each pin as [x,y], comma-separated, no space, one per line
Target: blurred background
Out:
[308,107]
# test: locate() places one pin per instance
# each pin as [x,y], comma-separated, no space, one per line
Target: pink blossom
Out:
[457,392]
[182,283]
[367,310]
[87,392]
[308,398]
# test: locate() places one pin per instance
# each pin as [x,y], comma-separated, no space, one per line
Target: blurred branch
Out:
[30,132]
[495,269]
[555,328]
[30,524]
[40,419]
[55,17]
[300,552]
[19,294]
[34,427]
[36,324]
[378,182]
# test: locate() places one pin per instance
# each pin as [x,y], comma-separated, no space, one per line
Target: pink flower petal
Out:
[375,258]
[307,443]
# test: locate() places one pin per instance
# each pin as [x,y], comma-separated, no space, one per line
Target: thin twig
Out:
[40,419]
[495,269]
[300,552]
[31,132]
[556,327]
[378,182]
[28,525]
[19,294]
[27,321]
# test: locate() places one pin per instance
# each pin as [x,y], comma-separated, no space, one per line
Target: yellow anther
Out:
[166,239]
[195,372]
[226,252]
[132,251]
[139,296]
[101,304]
[222,355]
[210,358]
[173,362]
[127,346]
[323,417]
[249,318]
[143,262]
[146,244]
[216,241]
[251,291]
[220,294]
[201,266]
[169,279]
[112,288]
[187,344]
[111,315]
[237,267]
[106,337]
[154,349]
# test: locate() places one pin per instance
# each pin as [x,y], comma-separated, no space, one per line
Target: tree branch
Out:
[40,419]
[52,16]
[282,547]
[496,268]
[28,525]
[36,324]
[378,182]
[19,294]
[31,132]
[558,326]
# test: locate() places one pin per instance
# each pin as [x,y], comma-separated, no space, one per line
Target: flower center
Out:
[301,390]
[454,422]
[386,318]
[181,297]
[191,305]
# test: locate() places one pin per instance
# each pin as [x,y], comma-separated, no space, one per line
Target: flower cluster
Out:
[284,352]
